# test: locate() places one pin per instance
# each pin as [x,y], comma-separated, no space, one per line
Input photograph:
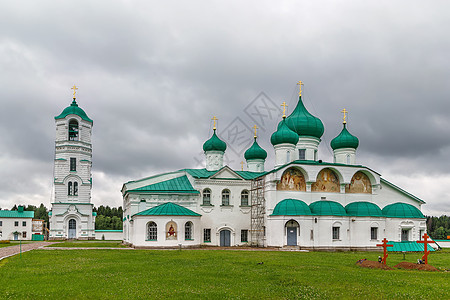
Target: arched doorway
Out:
[292,229]
[225,238]
[72,229]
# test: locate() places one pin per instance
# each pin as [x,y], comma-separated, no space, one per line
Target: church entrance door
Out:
[72,229]
[225,238]
[292,236]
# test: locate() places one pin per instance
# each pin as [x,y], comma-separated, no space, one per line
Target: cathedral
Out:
[302,203]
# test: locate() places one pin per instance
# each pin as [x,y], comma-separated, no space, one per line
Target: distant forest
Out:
[110,218]
[107,218]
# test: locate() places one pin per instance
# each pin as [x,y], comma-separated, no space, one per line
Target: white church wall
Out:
[388,195]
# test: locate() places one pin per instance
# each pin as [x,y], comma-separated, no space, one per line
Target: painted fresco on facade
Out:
[360,184]
[171,230]
[292,180]
[327,181]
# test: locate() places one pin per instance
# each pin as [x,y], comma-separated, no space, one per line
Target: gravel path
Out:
[13,250]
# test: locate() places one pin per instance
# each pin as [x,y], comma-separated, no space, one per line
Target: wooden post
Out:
[384,245]
[425,243]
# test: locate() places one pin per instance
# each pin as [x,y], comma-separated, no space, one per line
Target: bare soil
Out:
[412,266]
[372,265]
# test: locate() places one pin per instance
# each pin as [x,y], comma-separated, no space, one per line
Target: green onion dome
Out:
[363,209]
[255,152]
[304,123]
[291,207]
[284,135]
[345,140]
[402,210]
[214,144]
[327,208]
[73,109]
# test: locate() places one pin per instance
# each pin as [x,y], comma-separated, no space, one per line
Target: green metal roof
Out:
[203,173]
[168,209]
[16,214]
[401,190]
[345,140]
[255,152]
[175,185]
[402,210]
[408,246]
[291,207]
[304,123]
[214,144]
[94,213]
[73,109]
[363,209]
[284,135]
[327,208]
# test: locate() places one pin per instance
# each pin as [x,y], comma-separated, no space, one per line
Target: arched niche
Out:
[360,183]
[327,181]
[171,230]
[292,180]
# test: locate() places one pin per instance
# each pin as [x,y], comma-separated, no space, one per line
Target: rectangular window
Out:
[1,223]
[373,233]
[73,164]
[24,234]
[16,223]
[207,235]
[24,223]
[405,235]
[420,234]
[335,233]
[244,236]
[301,154]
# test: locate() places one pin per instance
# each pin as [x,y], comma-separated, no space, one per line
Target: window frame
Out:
[73,131]
[301,154]
[335,233]
[73,164]
[226,195]
[188,226]
[374,233]
[75,188]
[152,231]
[24,223]
[16,223]
[247,194]
[244,236]
[206,195]
[206,235]
[24,234]
[69,188]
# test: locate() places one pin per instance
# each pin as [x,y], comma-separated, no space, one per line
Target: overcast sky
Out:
[151,74]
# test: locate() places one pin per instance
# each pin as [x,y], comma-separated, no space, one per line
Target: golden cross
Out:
[254,127]
[284,108]
[242,166]
[300,86]
[214,119]
[74,88]
[344,111]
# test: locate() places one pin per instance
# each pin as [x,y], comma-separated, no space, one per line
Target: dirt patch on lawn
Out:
[412,266]
[372,264]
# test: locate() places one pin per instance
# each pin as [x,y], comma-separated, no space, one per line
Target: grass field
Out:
[89,244]
[216,274]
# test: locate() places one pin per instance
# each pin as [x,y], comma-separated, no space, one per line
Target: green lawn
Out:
[215,274]
[15,243]
[89,244]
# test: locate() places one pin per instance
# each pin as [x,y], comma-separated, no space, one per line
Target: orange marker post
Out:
[425,243]
[384,245]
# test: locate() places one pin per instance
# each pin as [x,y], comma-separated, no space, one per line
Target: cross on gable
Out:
[255,127]
[284,108]
[214,120]
[300,83]
[74,88]
[344,111]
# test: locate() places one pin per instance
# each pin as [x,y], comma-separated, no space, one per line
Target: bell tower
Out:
[71,213]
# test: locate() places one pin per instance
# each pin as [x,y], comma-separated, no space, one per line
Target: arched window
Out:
[152,233]
[69,188]
[206,197]
[188,231]
[73,130]
[226,197]
[75,188]
[244,198]
[288,156]
[348,159]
